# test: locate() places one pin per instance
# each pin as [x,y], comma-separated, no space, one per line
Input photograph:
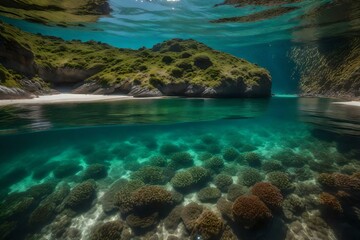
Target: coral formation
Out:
[235,191]
[190,213]
[214,164]
[150,199]
[250,211]
[149,175]
[122,198]
[268,193]
[280,180]
[223,181]
[157,161]
[208,225]
[108,231]
[209,194]
[95,171]
[181,160]
[272,166]
[182,181]
[230,154]
[330,202]
[253,159]
[199,175]
[250,176]
[169,148]
[66,170]
[172,221]
[293,205]
[225,207]
[42,214]
[81,195]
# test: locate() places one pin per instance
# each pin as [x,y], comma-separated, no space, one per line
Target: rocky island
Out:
[35,64]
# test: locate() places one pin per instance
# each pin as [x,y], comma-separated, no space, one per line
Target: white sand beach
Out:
[67,98]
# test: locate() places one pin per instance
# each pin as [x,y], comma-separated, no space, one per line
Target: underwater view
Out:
[180,120]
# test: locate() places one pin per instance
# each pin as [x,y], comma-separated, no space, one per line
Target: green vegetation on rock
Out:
[174,67]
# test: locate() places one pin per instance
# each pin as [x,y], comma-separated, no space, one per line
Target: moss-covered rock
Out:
[144,72]
[62,13]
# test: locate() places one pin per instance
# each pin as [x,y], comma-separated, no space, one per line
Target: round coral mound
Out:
[151,198]
[330,202]
[182,181]
[209,194]
[250,211]
[250,176]
[108,231]
[268,193]
[209,226]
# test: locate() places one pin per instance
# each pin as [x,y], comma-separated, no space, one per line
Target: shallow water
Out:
[304,136]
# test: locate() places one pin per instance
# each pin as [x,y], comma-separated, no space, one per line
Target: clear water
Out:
[55,144]
[124,135]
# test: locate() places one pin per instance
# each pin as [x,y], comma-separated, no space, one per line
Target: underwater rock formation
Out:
[172,68]
[61,13]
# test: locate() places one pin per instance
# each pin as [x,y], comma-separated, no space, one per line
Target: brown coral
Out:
[151,198]
[326,180]
[268,193]
[108,231]
[329,202]
[190,213]
[208,226]
[250,211]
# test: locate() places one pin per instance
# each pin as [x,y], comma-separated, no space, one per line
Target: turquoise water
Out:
[298,138]
[92,171]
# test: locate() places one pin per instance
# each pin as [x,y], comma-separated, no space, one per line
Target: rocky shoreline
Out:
[35,64]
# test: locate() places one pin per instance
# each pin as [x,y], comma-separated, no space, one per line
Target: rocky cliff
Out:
[172,68]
